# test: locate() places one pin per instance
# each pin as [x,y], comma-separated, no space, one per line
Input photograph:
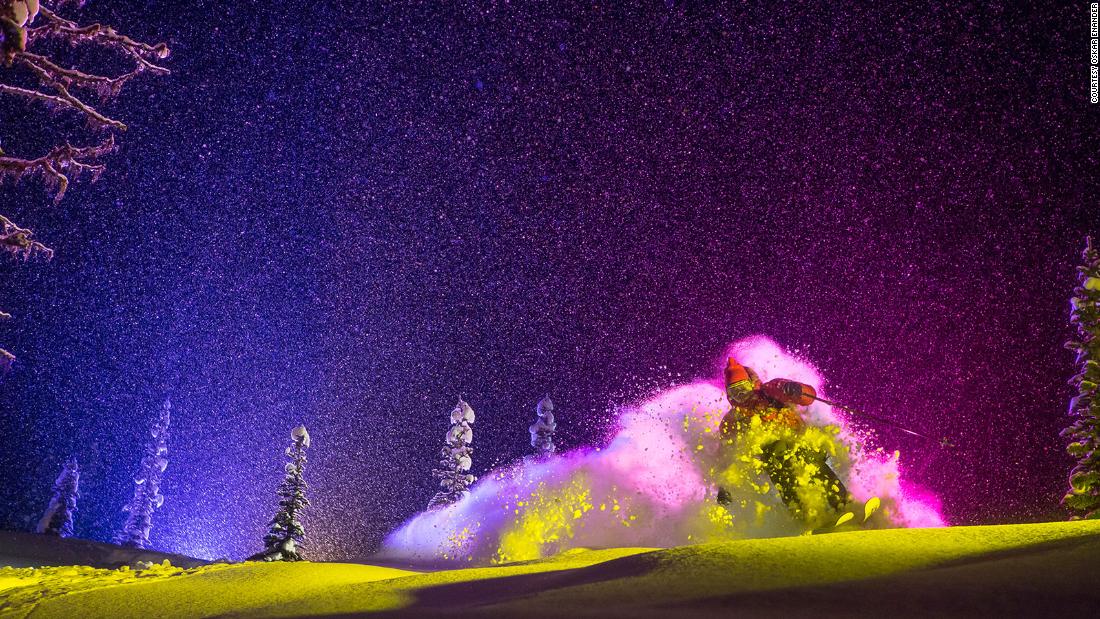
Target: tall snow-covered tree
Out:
[542,431]
[285,533]
[58,519]
[147,497]
[36,44]
[455,458]
[1083,497]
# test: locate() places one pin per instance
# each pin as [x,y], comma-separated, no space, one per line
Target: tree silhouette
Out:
[1083,496]
[58,519]
[455,458]
[147,497]
[285,531]
[542,431]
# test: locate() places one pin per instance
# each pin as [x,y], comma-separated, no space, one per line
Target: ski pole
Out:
[942,441]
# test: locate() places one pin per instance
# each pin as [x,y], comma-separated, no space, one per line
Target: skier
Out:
[784,458]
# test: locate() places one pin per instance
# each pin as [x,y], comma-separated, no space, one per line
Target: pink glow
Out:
[770,361]
[645,439]
[920,507]
[655,467]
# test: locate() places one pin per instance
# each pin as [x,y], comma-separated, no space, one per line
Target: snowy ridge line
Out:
[19,549]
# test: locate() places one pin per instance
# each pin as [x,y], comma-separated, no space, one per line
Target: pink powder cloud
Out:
[656,465]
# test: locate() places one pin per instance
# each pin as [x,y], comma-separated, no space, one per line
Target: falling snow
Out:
[348,216]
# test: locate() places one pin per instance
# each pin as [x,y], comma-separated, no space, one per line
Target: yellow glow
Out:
[662,577]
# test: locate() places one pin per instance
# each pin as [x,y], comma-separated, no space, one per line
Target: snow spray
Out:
[654,484]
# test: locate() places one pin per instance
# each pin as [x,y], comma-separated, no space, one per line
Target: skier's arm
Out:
[789,392]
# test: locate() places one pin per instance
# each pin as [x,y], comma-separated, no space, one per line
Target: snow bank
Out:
[18,549]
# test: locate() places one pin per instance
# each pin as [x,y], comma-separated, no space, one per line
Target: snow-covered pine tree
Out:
[454,459]
[1083,497]
[58,519]
[147,497]
[542,431]
[285,532]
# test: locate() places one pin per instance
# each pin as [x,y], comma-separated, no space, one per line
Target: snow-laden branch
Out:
[59,164]
[42,80]
[104,86]
[143,54]
[33,76]
[20,243]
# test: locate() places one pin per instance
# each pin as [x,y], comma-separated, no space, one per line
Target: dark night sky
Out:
[347,216]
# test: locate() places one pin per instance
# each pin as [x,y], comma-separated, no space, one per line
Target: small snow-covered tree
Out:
[58,519]
[455,458]
[147,497]
[542,431]
[285,532]
[1084,432]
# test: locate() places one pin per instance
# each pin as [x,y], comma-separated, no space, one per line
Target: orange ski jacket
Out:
[772,402]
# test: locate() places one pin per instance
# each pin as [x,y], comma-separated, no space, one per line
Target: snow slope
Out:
[19,549]
[1012,570]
